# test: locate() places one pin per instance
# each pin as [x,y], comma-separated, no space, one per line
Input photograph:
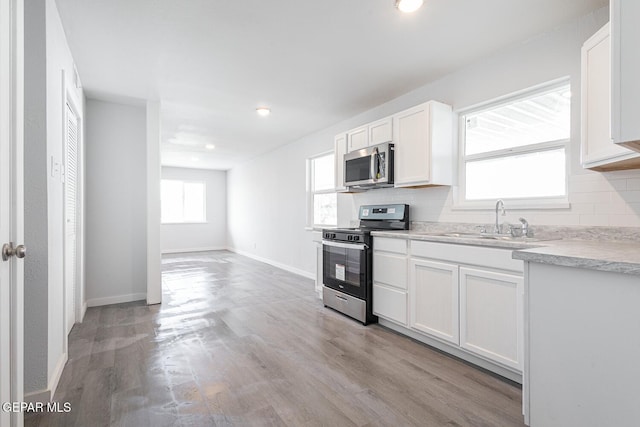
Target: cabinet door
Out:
[340,149]
[598,149]
[491,315]
[358,138]
[433,296]
[625,69]
[412,146]
[381,131]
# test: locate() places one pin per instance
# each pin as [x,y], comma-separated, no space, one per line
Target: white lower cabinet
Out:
[390,279]
[433,287]
[464,299]
[491,315]
[390,303]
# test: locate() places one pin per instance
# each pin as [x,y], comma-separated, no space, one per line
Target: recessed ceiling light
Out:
[263,111]
[408,6]
[209,146]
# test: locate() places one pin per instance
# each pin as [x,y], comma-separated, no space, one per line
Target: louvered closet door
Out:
[71,208]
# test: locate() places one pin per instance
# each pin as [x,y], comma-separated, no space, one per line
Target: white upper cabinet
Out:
[625,69]
[340,149]
[381,131]
[358,138]
[423,137]
[373,133]
[597,147]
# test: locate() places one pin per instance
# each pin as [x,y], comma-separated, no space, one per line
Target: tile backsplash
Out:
[596,199]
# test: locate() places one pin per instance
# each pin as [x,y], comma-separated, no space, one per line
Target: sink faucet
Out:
[499,206]
[525,227]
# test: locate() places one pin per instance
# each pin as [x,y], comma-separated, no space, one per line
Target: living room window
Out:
[183,201]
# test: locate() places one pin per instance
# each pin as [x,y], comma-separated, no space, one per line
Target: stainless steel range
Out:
[348,264]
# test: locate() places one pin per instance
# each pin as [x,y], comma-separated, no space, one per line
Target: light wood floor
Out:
[240,343]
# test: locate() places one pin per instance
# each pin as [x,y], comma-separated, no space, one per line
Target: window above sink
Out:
[514,148]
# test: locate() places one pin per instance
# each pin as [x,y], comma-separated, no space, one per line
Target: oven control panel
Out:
[346,235]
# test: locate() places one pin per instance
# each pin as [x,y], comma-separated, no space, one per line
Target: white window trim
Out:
[310,192]
[459,193]
[204,207]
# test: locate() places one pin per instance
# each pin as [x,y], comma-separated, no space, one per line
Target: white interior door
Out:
[11,207]
[72,133]
[5,217]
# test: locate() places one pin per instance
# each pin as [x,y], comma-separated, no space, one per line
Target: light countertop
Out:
[604,255]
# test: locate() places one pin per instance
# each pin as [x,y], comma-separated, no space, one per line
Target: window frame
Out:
[312,192]
[460,202]
[204,205]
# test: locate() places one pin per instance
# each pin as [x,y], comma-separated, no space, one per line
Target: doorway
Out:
[72,130]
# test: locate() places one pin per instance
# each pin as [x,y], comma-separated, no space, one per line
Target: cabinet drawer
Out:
[390,303]
[464,254]
[390,269]
[386,244]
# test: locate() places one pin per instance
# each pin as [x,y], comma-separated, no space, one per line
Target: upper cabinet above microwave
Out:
[625,69]
[374,133]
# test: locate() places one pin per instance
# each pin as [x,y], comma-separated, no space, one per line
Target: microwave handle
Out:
[374,157]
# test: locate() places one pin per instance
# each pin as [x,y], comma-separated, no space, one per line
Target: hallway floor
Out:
[240,343]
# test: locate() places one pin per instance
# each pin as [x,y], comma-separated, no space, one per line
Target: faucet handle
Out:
[526,230]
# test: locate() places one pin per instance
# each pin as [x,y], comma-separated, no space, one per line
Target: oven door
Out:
[345,267]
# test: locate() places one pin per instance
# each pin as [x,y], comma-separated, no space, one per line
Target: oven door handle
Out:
[358,246]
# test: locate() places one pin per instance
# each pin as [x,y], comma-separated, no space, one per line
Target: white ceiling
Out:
[315,63]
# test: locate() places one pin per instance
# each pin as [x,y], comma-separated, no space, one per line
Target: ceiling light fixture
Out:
[408,6]
[263,111]
[209,146]
[194,159]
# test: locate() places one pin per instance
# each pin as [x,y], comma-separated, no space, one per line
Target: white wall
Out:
[199,237]
[59,63]
[267,204]
[154,251]
[275,182]
[116,203]
[47,60]
[597,199]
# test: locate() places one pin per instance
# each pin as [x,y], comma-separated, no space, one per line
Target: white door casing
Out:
[11,206]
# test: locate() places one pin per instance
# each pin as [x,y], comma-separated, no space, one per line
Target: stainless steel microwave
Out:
[369,167]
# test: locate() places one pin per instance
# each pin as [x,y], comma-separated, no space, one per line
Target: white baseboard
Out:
[116,299]
[455,351]
[47,395]
[285,267]
[83,312]
[57,373]
[206,249]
